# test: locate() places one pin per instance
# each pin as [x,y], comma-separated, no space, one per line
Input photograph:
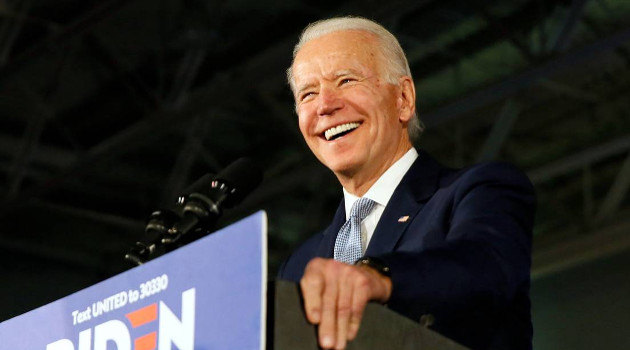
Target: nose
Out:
[329,101]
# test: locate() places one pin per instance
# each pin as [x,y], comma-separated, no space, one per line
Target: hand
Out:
[335,295]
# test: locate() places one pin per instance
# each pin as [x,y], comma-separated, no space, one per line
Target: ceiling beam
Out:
[146,97]
[48,156]
[225,91]
[500,130]
[616,193]
[30,139]
[497,30]
[125,224]
[579,249]
[569,91]
[532,76]
[57,40]
[180,171]
[566,29]
[11,27]
[578,161]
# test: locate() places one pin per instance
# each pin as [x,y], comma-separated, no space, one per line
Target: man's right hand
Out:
[335,295]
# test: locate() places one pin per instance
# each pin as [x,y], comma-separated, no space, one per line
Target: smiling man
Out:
[448,248]
[352,117]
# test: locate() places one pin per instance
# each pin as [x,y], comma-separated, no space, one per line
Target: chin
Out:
[342,167]
[345,162]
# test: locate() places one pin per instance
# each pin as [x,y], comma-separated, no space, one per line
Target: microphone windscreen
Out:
[244,175]
[200,186]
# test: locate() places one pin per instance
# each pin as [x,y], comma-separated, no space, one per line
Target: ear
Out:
[406,99]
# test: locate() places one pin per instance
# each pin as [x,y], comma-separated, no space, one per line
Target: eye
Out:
[346,80]
[306,95]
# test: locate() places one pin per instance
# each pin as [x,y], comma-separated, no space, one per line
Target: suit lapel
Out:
[414,190]
[327,244]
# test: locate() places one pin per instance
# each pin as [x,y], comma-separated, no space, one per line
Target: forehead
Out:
[348,49]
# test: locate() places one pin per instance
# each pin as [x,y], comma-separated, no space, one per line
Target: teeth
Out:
[332,132]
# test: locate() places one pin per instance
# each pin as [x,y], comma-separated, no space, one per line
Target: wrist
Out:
[381,271]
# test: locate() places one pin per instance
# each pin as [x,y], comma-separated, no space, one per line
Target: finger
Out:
[360,298]
[327,326]
[344,307]
[312,285]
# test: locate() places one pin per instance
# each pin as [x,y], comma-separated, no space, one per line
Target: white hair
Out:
[390,48]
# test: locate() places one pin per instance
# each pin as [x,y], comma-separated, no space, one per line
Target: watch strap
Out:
[375,263]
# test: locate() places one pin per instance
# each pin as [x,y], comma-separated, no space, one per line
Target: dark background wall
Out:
[585,307]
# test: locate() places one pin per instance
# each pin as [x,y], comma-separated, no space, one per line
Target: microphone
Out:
[197,210]
[204,206]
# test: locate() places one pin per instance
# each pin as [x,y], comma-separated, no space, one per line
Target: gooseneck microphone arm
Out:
[197,211]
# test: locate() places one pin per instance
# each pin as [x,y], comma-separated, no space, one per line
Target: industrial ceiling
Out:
[109,109]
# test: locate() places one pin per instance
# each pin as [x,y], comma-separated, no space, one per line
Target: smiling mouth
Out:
[340,130]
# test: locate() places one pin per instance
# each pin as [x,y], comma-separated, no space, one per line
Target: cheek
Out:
[368,99]
[360,102]
[304,122]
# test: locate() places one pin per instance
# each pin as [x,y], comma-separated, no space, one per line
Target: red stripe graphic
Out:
[145,342]
[142,316]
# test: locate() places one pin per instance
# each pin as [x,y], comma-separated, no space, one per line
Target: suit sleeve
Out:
[479,272]
[292,267]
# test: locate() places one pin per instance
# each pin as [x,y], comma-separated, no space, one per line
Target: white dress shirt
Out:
[380,192]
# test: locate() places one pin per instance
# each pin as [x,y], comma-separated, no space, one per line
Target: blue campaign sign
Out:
[210,294]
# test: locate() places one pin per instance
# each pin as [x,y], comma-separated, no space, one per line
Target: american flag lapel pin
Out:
[403,218]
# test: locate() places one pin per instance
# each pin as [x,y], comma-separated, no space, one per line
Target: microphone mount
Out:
[196,213]
[200,211]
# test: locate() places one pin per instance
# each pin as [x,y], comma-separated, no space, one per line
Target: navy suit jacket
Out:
[463,256]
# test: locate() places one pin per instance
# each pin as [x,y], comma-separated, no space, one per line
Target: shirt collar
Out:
[383,189]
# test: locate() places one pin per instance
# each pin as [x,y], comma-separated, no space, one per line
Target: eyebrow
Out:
[343,72]
[336,75]
[347,72]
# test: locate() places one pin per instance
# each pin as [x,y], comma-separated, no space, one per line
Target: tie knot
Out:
[362,208]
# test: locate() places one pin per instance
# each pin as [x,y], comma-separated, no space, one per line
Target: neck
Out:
[361,180]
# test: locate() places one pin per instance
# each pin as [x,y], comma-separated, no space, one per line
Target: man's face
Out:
[351,118]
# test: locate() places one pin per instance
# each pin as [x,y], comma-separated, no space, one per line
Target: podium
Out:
[380,328]
[210,294]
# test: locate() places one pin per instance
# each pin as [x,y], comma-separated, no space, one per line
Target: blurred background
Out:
[109,108]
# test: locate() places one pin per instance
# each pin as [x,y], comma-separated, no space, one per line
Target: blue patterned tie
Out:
[348,243]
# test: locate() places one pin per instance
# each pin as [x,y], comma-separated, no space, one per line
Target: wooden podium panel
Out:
[381,328]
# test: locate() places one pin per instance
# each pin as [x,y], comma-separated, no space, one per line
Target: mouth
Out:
[340,130]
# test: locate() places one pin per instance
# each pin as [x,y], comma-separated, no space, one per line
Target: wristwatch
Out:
[377,264]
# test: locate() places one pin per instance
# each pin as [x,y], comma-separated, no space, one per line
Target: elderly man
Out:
[448,248]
